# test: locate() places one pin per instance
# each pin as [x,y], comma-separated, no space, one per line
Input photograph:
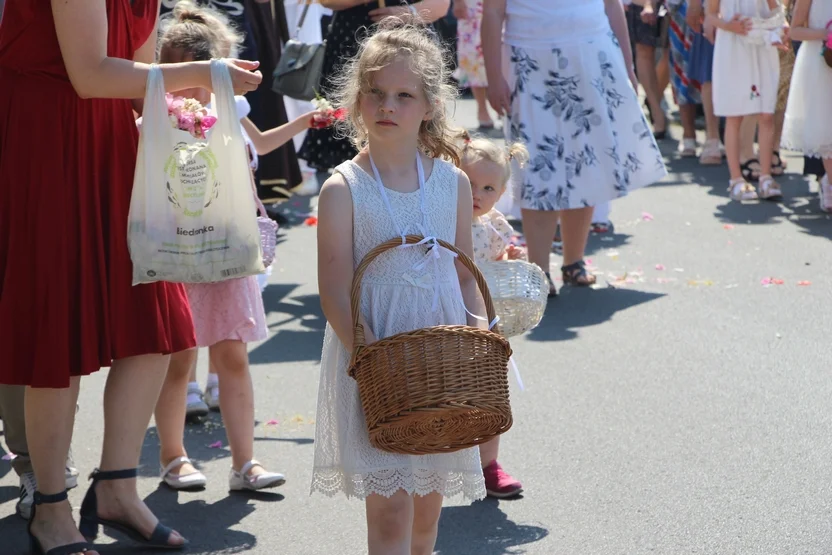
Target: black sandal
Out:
[777,168]
[90,521]
[35,548]
[748,171]
[553,291]
[576,274]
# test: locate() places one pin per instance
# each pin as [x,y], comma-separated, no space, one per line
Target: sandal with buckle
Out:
[741,190]
[576,274]
[769,189]
[192,481]
[711,154]
[750,174]
[35,548]
[90,521]
[778,166]
[242,480]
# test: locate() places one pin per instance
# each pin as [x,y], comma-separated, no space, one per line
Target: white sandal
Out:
[242,480]
[769,188]
[825,194]
[741,190]
[183,482]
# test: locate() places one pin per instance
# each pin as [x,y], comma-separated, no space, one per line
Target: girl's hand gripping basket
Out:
[431,390]
[520,291]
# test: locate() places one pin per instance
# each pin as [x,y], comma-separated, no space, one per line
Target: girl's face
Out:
[486,184]
[396,105]
[176,56]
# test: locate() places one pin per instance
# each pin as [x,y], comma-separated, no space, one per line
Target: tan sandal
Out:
[711,153]
[769,189]
[741,190]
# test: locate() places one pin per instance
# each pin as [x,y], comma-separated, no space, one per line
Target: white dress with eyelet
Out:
[399,293]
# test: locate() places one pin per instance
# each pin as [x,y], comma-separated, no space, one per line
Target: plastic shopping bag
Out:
[192,213]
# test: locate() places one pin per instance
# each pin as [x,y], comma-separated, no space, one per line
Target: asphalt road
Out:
[682,407]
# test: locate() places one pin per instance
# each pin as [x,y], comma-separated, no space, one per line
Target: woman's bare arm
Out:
[800,29]
[428,10]
[81,26]
[618,23]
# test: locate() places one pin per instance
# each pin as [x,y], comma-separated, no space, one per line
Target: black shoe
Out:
[90,521]
[35,547]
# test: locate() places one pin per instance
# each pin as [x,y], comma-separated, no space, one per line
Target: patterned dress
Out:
[492,235]
[471,67]
[573,107]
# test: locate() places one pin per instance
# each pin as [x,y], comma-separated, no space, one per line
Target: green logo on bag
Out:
[192,184]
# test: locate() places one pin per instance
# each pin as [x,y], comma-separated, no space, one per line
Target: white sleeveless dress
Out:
[808,124]
[746,76]
[395,297]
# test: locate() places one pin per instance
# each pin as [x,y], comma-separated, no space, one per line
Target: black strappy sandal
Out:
[90,521]
[748,171]
[553,291]
[35,548]
[576,274]
[778,168]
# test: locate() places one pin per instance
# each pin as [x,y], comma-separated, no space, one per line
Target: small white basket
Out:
[520,291]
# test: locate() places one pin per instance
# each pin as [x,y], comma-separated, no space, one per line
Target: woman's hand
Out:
[738,24]
[244,78]
[499,96]
[460,9]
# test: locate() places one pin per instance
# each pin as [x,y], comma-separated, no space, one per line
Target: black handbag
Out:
[298,73]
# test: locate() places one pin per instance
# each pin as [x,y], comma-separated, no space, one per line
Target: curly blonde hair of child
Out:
[197,31]
[480,148]
[394,39]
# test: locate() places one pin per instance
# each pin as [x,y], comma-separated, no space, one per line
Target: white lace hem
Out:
[421,482]
[824,151]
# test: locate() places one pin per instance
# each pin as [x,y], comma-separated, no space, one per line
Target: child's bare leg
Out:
[732,146]
[389,524]
[426,511]
[230,358]
[489,451]
[171,407]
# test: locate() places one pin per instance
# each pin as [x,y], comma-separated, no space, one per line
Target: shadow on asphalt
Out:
[483,529]
[582,307]
[282,310]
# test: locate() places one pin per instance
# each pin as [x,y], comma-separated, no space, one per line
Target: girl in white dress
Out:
[395,89]
[746,78]
[808,125]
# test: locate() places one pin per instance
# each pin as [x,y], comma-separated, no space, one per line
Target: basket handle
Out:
[355,295]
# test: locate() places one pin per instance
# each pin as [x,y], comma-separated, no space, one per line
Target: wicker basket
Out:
[431,390]
[520,291]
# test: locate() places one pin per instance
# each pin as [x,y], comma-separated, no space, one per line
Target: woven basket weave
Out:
[431,390]
[520,291]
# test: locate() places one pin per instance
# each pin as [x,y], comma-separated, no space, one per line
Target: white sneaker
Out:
[186,482]
[242,480]
[196,406]
[212,396]
[28,485]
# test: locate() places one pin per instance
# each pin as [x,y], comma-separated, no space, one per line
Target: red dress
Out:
[67,306]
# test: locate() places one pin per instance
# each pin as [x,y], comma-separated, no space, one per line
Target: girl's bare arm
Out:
[267,141]
[465,242]
[800,29]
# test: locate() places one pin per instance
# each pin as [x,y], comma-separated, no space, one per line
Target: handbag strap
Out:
[306,6]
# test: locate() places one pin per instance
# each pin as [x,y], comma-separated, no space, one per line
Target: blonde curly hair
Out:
[393,39]
[480,148]
[199,31]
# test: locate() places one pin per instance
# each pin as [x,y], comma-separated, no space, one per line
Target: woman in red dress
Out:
[67,308]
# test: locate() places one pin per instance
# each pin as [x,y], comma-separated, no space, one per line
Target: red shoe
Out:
[498,483]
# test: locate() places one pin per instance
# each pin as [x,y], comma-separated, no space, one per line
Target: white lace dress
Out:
[808,122]
[395,298]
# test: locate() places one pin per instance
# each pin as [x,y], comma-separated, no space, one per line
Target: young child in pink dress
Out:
[229,314]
